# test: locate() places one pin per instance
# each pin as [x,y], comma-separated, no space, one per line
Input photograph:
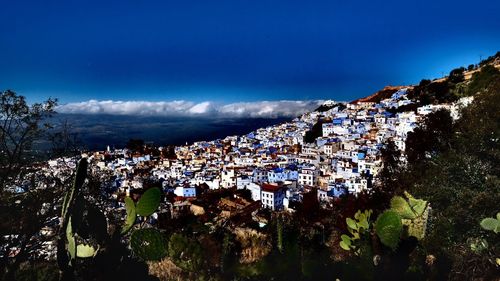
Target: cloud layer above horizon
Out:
[258,109]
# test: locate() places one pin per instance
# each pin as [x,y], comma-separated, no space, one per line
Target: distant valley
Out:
[99,131]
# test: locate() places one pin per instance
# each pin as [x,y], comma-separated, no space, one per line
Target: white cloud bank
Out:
[258,109]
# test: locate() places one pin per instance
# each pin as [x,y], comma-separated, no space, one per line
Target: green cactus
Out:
[149,202]
[356,227]
[389,227]
[417,227]
[147,205]
[491,224]
[413,212]
[401,206]
[73,191]
[131,215]
[145,243]
[86,251]
[84,226]
[71,245]
[149,244]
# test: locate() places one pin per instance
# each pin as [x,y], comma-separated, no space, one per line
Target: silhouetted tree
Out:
[21,125]
[135,145]
[430,138]
[457,75]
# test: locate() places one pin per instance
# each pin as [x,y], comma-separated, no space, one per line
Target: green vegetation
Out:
[357,227]
[84,224]
[455,86]
[389,228]
[457,75]
[492,224]
[453,165]
[186,253]
[84,241]
[482,79]
[315,132]
[131,215]
[148,244]
[414,214]
[490,59]
[149,202]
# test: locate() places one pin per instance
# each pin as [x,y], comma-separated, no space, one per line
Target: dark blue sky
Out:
[228,51]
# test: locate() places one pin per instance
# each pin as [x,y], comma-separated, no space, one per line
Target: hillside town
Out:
[270,169]
[250,140]
[276,164]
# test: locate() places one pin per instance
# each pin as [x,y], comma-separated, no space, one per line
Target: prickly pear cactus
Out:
[417,226]
[131,215]
[389,227]
[492,224]
[413,212]
[84,226]
[149,202]
[147,243]
[357,227]
[73,191]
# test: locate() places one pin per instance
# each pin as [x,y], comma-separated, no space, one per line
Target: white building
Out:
[228,178]
[272,196]
[308,176]
[184,191]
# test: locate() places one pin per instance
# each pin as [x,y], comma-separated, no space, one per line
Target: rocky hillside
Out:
[445,89]
[385,93]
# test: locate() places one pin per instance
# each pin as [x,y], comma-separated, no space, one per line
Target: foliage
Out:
[482,79]
[149,202]
[389,227]
[431,138]
[432,92]
[40,271]
[490,59]
[84,240]
[390,184]
[414,214]
[456,75]
[454,166]
[131,215]
[492,224]
[64,141]
[356,227]
[82,223]
[21,125]
[323,107]
[185,252]
[478,245]
[315,132]
[142,239]
[148,244]
[135,145]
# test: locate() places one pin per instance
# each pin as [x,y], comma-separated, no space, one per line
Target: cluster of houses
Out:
[275,164]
